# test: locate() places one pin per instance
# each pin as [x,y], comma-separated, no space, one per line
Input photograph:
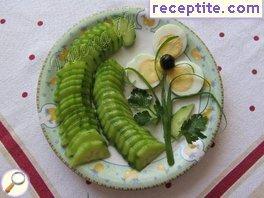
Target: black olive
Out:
[167,61]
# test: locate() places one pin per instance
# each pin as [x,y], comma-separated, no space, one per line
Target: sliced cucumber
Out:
[126,27]
[106,85]
[88,152]
[124,136]
[72,72]
[70,101]
[108,69]
[67,137]
[109,94]
[114,76]
[113,109]
[62,115]
[79,122]
[80,139]
[72,77]
[111,78]
[147,154]
[70,91]
[132,153]
[78,110]
[72,119]
[132,141]
[101,93]
[68,67]
[110,101]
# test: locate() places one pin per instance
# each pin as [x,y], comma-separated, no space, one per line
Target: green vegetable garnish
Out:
[166,121]
[192,129]
[162,109]
[142,101]
[140,98]
[143,118]
[210,95]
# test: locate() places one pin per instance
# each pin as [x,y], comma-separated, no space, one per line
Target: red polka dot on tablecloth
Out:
[31,57]
[221,34]
[88,182]
[40,23]
[24,94]
[219,68]
[168,185]
[254,71]
[252,108]
[2,21]
[256,38]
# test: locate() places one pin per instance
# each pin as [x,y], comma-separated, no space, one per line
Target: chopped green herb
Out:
[142,102]
[192,129]
[143,118]
[140,99]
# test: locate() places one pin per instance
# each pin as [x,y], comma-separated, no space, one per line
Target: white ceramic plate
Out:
[114,172]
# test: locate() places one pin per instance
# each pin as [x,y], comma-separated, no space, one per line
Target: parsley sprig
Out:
[147,112]
[192,129]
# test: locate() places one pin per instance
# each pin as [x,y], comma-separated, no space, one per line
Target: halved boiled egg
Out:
[188,78]
[145,65]
[174,47]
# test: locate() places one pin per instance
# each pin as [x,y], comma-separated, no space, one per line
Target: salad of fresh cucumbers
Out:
[93,111]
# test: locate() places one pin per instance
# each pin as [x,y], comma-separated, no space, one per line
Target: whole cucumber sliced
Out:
[74,85]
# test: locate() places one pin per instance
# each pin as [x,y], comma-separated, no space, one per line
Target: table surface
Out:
[234,166]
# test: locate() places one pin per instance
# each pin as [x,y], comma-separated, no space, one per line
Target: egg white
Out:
[169,29]
[133,77]
[197,83]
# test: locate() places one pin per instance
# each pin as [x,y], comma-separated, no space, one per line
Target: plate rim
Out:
[214,133]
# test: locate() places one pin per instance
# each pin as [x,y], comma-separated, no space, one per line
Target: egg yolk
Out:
[147,69]
[182,83]
[173,47]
